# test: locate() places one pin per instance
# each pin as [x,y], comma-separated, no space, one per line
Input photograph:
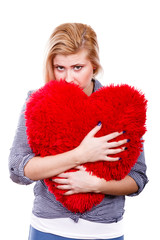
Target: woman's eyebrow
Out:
[57,65]
[78,64]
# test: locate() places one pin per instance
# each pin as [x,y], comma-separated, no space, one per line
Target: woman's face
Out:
[75,68]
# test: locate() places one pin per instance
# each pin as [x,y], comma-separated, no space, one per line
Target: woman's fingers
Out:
[60,180]
[117,144]
[63,175]
[93,132]
[112,159]
[112,136]
[115,151]
[69,193]
[64,187]
[107,137]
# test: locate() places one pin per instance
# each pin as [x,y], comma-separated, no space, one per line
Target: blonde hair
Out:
[69,38]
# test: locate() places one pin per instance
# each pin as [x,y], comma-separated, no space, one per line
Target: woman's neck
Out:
[89,90]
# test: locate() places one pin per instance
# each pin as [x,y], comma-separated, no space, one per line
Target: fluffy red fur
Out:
[59,116]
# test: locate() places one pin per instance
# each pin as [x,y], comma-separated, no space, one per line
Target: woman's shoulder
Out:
[97,85]
[29,93]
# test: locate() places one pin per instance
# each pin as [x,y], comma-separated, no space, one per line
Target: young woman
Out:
[73,55]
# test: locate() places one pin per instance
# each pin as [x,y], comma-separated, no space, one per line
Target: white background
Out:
[129,39]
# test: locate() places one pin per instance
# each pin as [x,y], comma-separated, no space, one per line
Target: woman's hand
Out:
[84,182]
[94,149]
[77,182]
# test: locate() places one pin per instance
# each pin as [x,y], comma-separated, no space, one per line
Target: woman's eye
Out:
[77,68]
[60,68]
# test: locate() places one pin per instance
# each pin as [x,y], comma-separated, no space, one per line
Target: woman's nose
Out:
[69,77]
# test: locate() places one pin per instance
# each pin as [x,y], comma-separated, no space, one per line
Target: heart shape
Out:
[59,116]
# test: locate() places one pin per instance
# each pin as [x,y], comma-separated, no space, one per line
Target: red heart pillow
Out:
[59,116]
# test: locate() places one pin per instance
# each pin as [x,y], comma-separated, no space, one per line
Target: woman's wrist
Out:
[79,156]
[99,185]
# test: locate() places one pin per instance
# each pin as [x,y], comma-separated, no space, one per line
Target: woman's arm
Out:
[91,149]
[39,168]
[20,152]
[25,167]
[125,186]
[82,181]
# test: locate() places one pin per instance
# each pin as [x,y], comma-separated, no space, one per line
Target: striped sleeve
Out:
[20,152]
[138,173]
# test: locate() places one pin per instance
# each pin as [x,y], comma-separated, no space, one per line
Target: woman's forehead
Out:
[71,59]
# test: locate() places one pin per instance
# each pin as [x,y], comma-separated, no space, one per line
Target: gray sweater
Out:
[111,209]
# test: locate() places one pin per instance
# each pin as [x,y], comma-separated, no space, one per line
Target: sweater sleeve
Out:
[20,152]
[138,173]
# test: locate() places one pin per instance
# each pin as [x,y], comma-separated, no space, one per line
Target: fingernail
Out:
[124,131]
[120,158]
[128,140]
[99,123]
[125,148]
